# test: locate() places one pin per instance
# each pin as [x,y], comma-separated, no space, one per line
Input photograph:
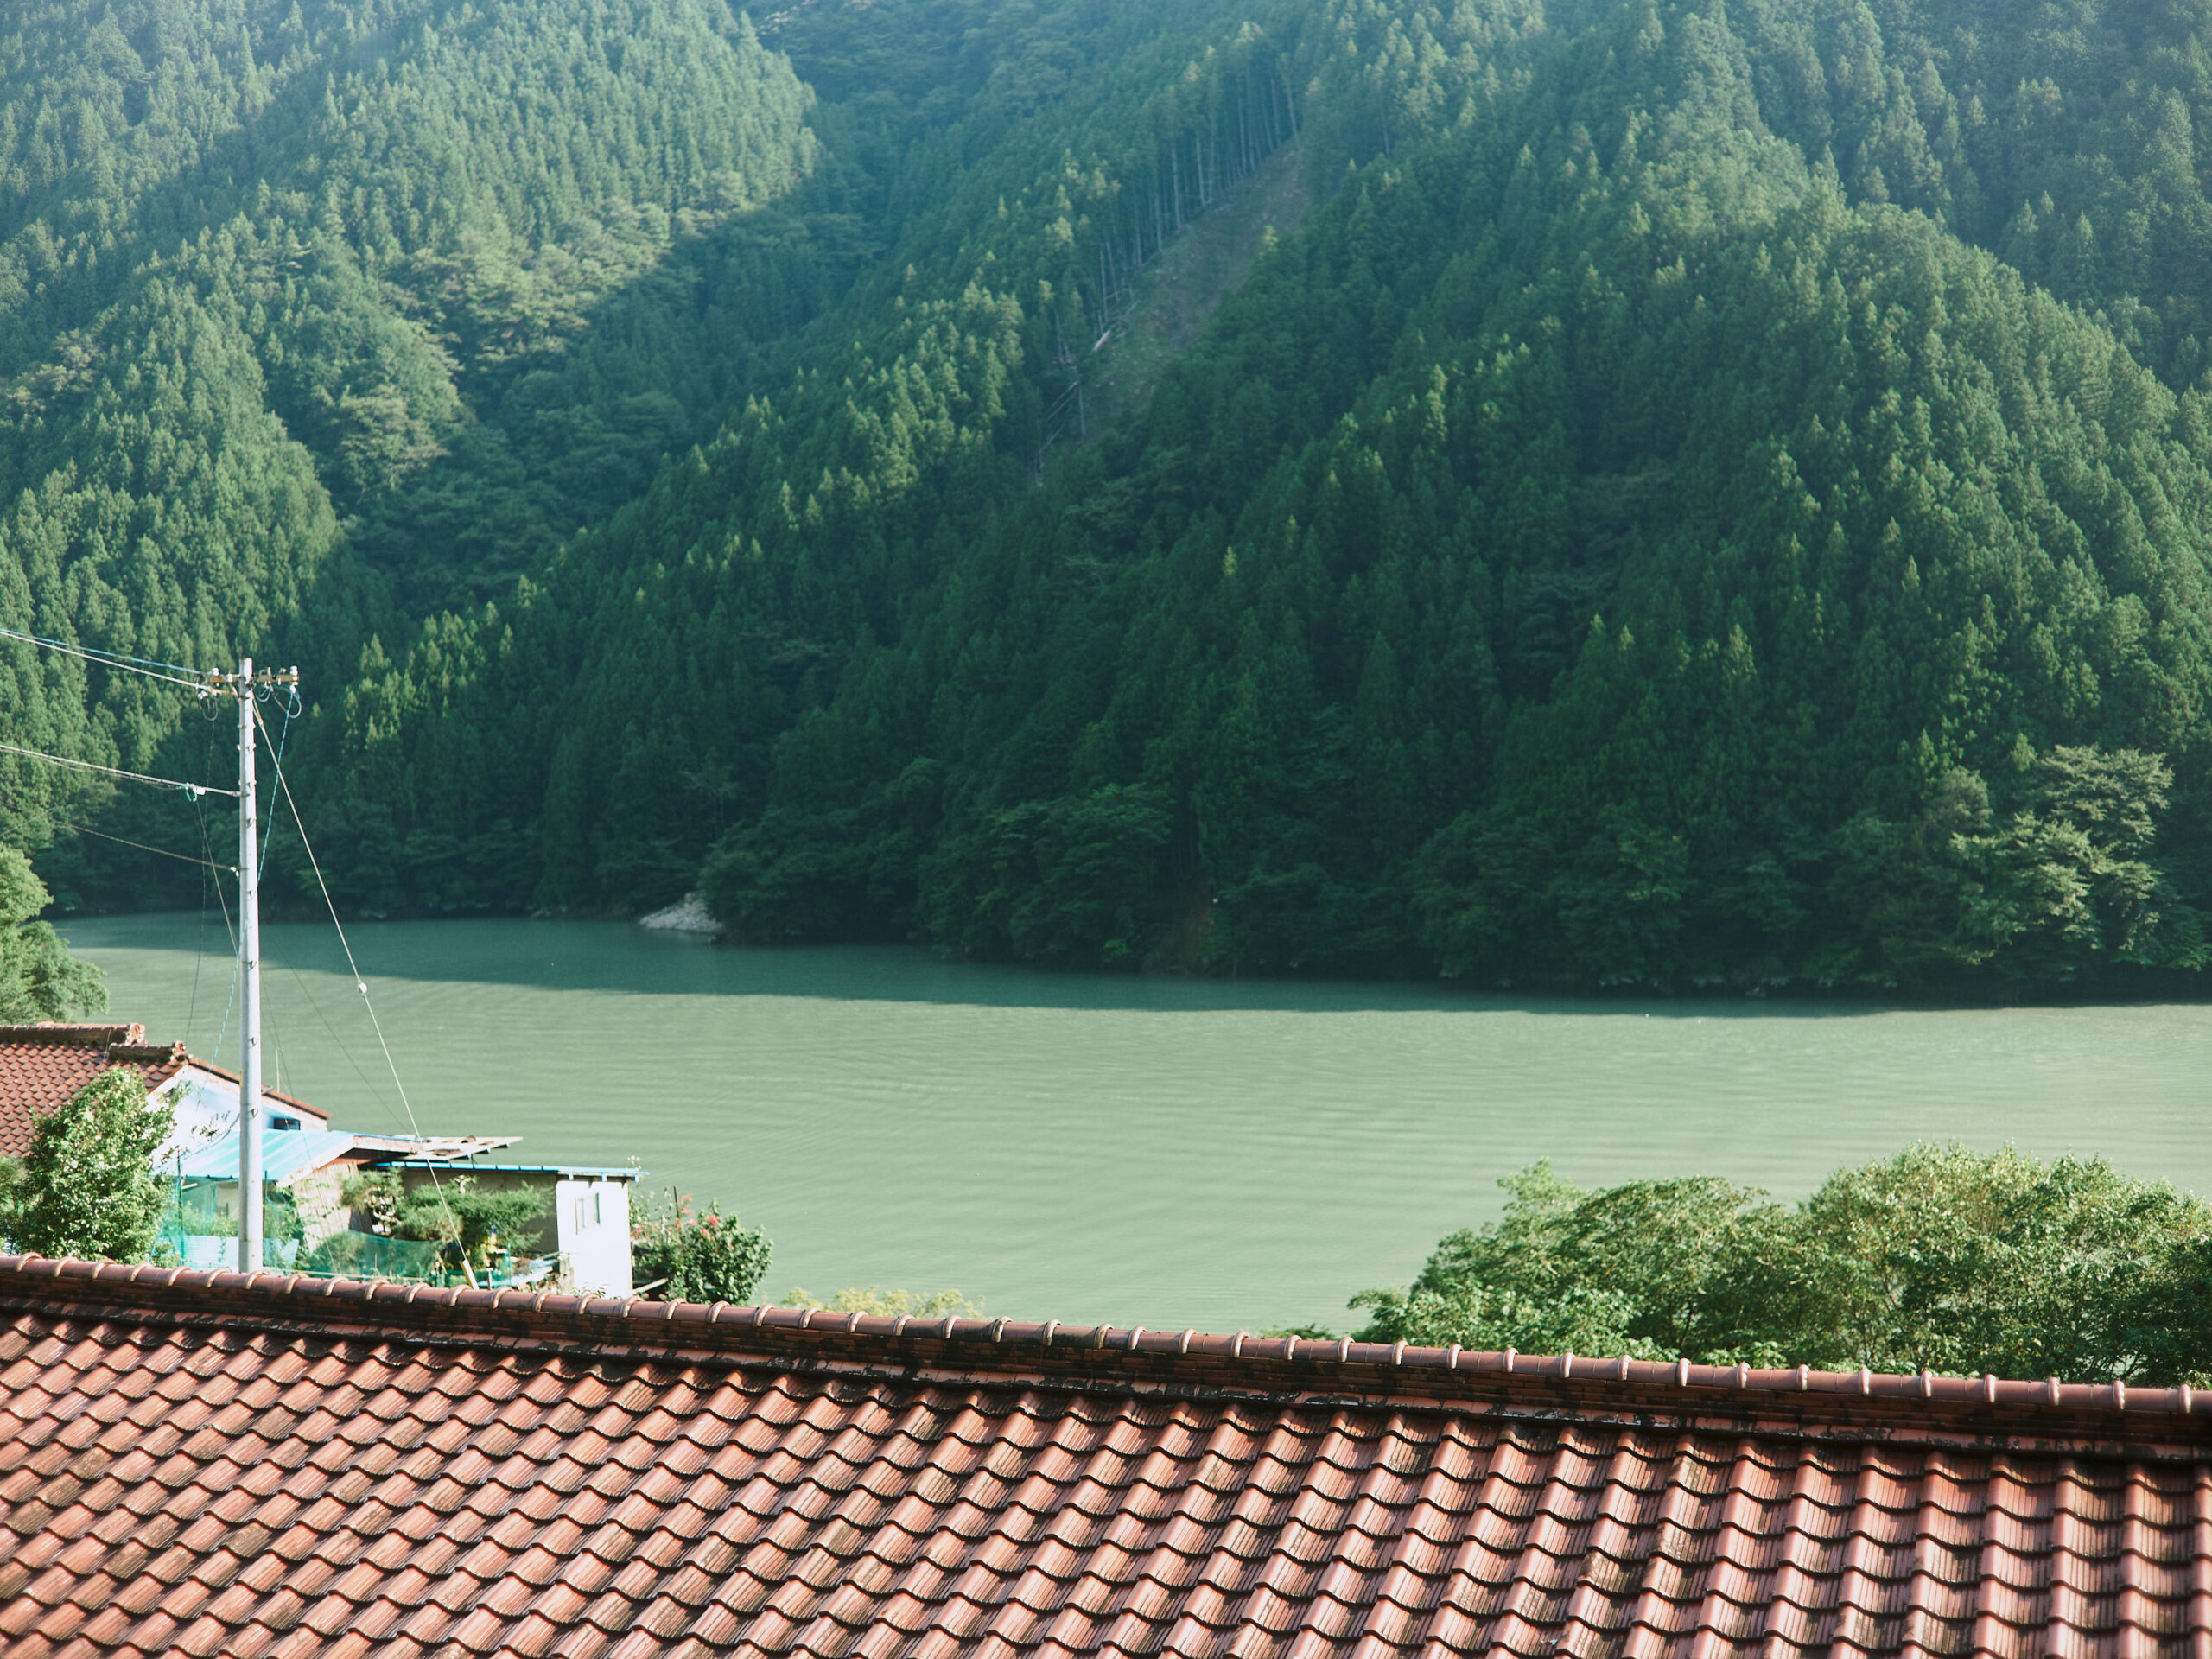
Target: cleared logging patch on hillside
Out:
[1177,292]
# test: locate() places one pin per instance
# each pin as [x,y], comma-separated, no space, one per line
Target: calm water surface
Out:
[1152,1151]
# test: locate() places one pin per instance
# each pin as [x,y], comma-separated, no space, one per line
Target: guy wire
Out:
[185,858]
[284,734]
[362,985]
[199,952]
[230,1000]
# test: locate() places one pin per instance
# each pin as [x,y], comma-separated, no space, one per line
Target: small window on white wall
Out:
[580,1215]
[595,1217]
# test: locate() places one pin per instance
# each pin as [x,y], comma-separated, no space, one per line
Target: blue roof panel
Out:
[284,1153]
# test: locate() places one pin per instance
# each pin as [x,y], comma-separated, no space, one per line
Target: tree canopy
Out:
[39,979]
[87,1186]
[1939,1258]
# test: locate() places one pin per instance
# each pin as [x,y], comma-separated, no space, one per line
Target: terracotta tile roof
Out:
[203,1463]
[43,1065]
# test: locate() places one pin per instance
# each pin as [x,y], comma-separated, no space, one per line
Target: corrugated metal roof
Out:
[284,1153]
[470,1166]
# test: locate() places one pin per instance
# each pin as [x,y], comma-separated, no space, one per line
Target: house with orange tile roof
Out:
[208,1462]
[43,1065]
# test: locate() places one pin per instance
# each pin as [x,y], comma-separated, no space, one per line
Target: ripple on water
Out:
[1155,1150]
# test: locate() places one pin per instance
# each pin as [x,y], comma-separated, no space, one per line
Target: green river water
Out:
[1154,1151]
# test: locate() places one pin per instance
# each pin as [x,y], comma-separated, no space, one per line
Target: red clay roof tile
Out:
[202,1463]
[43,1065]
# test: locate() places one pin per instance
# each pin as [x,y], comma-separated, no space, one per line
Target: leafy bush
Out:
[12,1196]
[1939,1257]
[87,1186]
[684,1257]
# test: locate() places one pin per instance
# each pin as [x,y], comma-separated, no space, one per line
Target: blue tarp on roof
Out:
[284,1153]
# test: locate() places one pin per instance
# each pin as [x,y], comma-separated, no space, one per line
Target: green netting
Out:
[367,1255]
[220,1250]
[342,1255]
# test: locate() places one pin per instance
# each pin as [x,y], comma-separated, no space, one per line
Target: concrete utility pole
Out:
[246,686]
[250,988]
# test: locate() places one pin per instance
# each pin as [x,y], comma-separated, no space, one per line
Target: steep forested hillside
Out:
[267,269]
[584,741]
[1606,545]
[1710,492]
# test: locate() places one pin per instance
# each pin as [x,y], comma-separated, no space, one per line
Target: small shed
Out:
[312,1165]
[589,1226]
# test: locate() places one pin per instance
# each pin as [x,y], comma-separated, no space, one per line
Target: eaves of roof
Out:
[465,1164]
[287,1153]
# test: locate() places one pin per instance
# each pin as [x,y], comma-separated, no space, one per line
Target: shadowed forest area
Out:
[1663,492]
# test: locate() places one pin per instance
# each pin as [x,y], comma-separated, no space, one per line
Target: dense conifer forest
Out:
[1676,493]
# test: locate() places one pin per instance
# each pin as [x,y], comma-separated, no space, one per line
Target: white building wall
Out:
[591,1219]
[206,1109]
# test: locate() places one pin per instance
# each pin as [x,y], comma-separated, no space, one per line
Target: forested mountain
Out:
[274,283]
[1712,491]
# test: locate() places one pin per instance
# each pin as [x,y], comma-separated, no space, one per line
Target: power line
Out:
[101,651]
[145,666]
[229,1000]
[17,804]
[182,858]
[203,685]
[117,771]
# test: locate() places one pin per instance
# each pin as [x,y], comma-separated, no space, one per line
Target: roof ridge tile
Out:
[955,1334]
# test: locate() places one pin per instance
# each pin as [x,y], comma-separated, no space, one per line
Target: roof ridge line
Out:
[75,1033]
[267,1093]
[1272,1364]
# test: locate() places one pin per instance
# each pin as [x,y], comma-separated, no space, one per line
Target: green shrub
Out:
[1939,1257]
[88,1187]
[472,1222]
[684,1257]
[12,1197]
